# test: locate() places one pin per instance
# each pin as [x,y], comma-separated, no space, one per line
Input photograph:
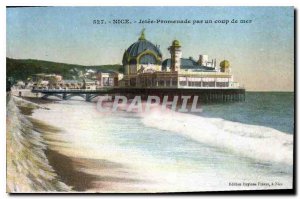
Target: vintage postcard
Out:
[149,99]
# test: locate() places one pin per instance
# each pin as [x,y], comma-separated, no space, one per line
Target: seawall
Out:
[28,169]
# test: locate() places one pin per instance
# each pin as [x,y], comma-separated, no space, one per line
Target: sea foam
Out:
[257,142]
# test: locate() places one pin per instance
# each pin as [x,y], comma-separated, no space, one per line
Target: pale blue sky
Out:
[261,53]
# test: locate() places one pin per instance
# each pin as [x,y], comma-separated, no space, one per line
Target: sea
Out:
[228,146]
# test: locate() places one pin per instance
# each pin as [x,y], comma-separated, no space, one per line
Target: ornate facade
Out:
[144,67]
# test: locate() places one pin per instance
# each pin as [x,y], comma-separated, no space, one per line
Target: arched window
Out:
[147,59]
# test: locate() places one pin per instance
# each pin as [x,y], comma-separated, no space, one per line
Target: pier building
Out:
[144,67]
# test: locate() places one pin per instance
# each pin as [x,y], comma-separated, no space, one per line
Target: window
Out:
[168,83]
[161,83]
[110,81]
[132,82]
[198,84]
[147,59]
[182,83]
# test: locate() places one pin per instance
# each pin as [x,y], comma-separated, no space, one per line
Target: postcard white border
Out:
[3,5]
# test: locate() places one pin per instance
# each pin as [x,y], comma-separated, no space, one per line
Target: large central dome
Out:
[142,52]
[140,46]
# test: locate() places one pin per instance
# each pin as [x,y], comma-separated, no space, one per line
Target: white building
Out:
[144,67]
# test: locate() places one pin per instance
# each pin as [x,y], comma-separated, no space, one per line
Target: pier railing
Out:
[205,95]
[70,90]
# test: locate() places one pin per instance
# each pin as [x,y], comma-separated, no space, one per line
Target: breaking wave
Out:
[256,142]
[28,169]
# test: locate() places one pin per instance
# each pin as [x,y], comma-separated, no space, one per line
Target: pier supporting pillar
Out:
[88,97]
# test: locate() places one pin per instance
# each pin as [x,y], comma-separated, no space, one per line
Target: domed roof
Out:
[224,64]
[140,46]
[176,43]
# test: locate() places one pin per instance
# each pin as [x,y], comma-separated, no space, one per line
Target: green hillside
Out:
[21,69]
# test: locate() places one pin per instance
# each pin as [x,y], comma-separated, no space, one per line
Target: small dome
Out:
[176,43]
[225,64]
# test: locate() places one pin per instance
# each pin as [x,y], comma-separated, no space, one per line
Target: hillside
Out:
[21,69]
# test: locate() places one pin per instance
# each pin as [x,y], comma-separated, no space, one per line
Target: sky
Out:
[261,53]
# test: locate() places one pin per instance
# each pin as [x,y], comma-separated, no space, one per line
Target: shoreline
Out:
[63,166]
[72,170]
